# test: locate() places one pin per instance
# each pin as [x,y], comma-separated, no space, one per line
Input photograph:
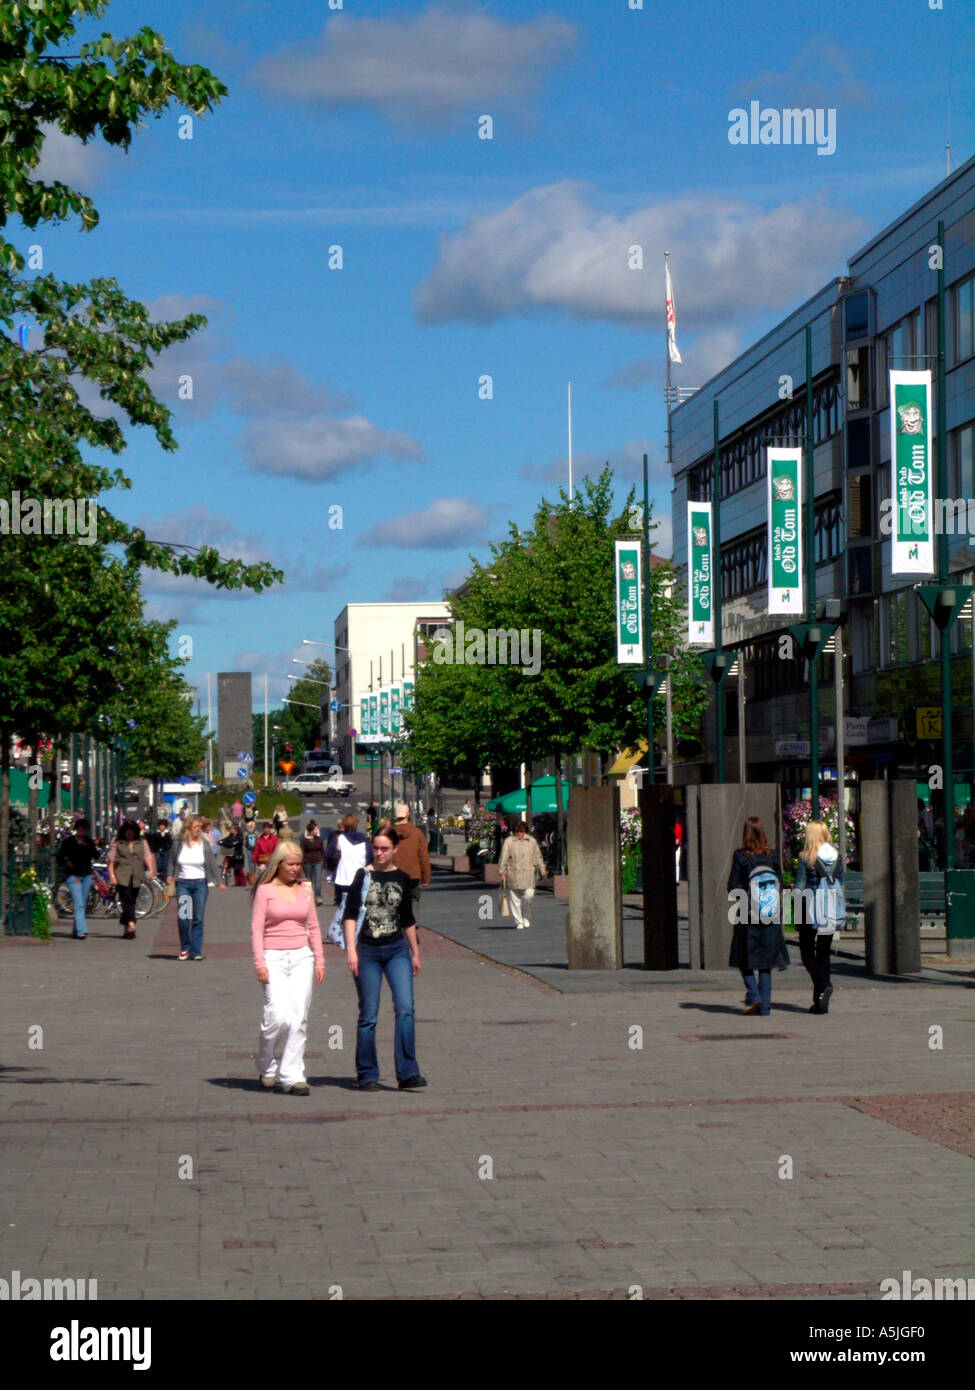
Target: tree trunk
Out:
[53,806]
[33,767]
[5,736]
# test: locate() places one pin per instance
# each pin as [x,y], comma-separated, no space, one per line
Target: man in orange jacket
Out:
[411,854]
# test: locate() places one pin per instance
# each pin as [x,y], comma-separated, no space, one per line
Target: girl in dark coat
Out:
[755,945]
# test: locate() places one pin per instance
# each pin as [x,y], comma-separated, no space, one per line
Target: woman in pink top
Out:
[287,942]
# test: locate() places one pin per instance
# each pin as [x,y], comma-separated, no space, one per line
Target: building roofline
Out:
[838,280]
[962,169]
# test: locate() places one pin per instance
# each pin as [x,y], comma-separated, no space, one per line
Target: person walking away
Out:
[678,841]
[287,942]
[411,854]
[193,870]
[381,939]
[264,847]
[75,856]
[432,836]
[758,943]
[130,862]
[349,851]
[233,847]
[279,819]
[372,818]
[313,852]
[467,815]
[237,810]
[161,843]
[820,873]
[520,865]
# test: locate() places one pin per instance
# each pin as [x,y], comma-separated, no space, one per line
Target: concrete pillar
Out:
[659,879]
[594,926]
[891,882]
[716,815]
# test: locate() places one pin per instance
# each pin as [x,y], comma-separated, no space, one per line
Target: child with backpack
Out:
[820,873]
[758,944]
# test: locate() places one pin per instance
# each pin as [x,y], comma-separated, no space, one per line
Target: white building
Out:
[376,644]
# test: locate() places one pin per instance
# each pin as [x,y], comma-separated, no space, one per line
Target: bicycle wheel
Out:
[143,901]
[63,902]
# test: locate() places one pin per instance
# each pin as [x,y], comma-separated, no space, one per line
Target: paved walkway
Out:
[550,1154]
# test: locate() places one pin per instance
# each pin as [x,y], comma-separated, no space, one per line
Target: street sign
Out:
[286,768]
[928,721]
[335,707]
[249,798]
[242,772]
[395,772]
[353,733]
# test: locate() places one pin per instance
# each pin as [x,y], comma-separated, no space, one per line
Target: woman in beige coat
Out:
[130,861]
[521,861]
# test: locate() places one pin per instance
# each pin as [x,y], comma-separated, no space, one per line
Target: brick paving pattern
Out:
[614,1168]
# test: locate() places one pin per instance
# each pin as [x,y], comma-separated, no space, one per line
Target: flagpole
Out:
[570,446]
[670,456]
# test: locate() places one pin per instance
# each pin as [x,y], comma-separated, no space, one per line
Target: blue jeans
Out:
[79,889]
[162,863]
[761,996]
[191,903]
[393,961]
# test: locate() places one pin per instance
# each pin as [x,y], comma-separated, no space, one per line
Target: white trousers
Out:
[521,905]
[287,999]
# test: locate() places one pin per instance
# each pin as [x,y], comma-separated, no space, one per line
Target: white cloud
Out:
[821,74]
[425,71]
[66,160]
[626,461]
[447,522]
[551,251]
[703,358]
[321,447]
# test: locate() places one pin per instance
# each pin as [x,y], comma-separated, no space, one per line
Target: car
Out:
[318,783]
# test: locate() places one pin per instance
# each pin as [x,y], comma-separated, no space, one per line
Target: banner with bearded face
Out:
[912,538]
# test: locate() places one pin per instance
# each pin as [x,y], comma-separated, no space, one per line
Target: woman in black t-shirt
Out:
[384,944]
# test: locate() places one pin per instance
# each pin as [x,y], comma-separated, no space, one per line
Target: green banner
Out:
[700,591]
[912,550]
[784,530]
[629,625]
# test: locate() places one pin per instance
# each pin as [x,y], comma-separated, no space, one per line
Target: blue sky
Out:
[464,257]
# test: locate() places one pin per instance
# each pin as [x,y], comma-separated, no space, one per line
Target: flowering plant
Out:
[631,830]
[29,882]
[797,816]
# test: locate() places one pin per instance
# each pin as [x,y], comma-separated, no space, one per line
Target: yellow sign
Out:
[928,721]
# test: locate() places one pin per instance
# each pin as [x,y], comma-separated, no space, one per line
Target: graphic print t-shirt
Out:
[389,905]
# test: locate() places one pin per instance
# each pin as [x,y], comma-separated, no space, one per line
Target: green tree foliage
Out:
[556,578]
[72,612]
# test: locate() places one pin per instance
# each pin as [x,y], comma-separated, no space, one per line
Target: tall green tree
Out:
[555,579]
[57,597]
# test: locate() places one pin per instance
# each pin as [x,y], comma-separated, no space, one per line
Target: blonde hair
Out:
[286,835]
[349,822]
[817,835]
[284,849]
[188,825]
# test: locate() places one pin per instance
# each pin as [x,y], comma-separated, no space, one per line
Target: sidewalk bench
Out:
[932,896]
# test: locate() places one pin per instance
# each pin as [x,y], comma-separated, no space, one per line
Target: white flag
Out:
[671,318]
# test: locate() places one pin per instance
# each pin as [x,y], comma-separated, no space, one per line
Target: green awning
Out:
[543,798]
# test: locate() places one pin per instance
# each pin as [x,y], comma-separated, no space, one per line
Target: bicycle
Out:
[101,895]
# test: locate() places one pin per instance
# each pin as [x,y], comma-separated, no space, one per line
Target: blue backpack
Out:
[766,902]
[830,904]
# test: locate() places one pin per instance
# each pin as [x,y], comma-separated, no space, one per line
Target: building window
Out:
[859,570]
[858,378]
[882,347]
[897,627]
[858,513]
[964,452]
[828,531]
[858,443]
[857,315]
[964,320]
